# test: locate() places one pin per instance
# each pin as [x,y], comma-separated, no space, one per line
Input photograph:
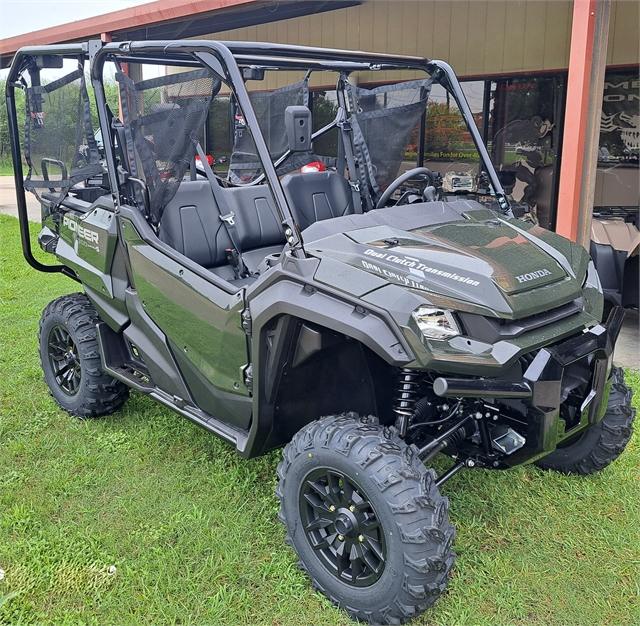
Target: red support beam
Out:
[582,120]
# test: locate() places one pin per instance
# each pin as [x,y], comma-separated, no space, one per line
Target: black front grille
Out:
[491,329]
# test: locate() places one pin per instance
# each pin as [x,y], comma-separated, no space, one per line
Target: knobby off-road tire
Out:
[366,519]
[70,358]
[602,443]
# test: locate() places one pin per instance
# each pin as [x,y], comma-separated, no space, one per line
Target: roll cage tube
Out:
[104,123]
[18,65]
[218,58]
[222,58]
[450,82]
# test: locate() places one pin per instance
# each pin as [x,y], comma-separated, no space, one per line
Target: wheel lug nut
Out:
[352,508]
[332,508]
[360,538]
[340,538]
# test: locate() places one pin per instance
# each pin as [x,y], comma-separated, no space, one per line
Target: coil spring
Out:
[407,390]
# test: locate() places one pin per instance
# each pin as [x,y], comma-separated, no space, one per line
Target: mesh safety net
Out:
[383,120]
[163,122]
[59,144]
[269,107]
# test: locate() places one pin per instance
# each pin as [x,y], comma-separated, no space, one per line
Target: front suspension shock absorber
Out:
[407,391]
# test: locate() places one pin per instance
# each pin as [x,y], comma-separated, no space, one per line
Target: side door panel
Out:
[201,322]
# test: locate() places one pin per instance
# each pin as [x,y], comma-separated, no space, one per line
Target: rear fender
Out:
[615,245]
[87,243]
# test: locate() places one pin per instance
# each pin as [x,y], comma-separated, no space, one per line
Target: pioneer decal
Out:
[86,236]
[524,278]
[414,266]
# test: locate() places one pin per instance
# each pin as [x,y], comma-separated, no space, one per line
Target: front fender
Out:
[290,299]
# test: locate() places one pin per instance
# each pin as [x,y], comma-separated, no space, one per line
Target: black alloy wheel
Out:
[343,527]
[365,518]
[70,359]
[64,360]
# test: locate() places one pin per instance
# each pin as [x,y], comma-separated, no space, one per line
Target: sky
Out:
[25,16]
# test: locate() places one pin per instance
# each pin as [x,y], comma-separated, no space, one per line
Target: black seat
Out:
[317,196]
[191,225]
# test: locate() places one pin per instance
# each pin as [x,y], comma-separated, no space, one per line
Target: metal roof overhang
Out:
[171,19]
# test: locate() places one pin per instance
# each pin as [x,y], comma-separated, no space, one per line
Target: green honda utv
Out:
[260,246]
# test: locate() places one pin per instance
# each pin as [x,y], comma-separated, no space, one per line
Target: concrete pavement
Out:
[627,349]
[627,352]
[8,202]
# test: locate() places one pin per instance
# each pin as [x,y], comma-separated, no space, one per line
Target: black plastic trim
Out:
[491,330]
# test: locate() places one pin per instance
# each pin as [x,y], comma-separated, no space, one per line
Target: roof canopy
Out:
[170,19]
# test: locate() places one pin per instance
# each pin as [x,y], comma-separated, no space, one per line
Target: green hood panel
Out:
[516,264]
[490,266]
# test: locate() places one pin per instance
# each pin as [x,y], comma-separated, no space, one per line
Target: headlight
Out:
[435,323]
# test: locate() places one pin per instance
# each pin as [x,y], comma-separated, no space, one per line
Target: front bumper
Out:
[542,388]
[545,375]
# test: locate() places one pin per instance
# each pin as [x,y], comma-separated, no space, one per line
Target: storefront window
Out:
[618,174]
[448,146]
[520,120]
[523,138]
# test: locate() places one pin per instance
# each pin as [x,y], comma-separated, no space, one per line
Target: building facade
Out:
[513,58]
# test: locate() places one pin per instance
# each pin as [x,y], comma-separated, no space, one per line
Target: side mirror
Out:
[297,122]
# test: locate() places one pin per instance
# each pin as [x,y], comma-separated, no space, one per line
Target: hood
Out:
[487,262]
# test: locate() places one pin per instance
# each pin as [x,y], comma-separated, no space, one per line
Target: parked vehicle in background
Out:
[615,246]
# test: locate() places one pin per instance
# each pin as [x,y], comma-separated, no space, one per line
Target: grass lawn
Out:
[6,167]
[143,518]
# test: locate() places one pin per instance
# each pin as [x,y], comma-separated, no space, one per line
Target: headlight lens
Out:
[435,323]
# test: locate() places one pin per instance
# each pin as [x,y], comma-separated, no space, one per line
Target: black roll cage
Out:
[224,59]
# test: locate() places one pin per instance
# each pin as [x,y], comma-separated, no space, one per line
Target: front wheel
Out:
[604,442]
[366,519]
[70,358]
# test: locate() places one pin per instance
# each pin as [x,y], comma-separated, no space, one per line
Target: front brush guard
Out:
[541,389]
[544,376]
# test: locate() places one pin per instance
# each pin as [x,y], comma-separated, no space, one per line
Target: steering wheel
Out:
[384,198]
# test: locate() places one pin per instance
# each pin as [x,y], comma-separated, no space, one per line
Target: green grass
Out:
[6,166]
[191,528]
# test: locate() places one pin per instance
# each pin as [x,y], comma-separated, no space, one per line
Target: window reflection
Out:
[448,144]
[523,139]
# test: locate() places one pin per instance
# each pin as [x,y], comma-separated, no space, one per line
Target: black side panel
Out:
[610,265]
[630,282]
[109,309]
[310,372]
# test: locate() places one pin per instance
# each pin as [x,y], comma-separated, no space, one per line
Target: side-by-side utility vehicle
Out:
[265,245]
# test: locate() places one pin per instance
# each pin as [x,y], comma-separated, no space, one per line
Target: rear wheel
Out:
[603,443]
[365,518]
[70,358]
